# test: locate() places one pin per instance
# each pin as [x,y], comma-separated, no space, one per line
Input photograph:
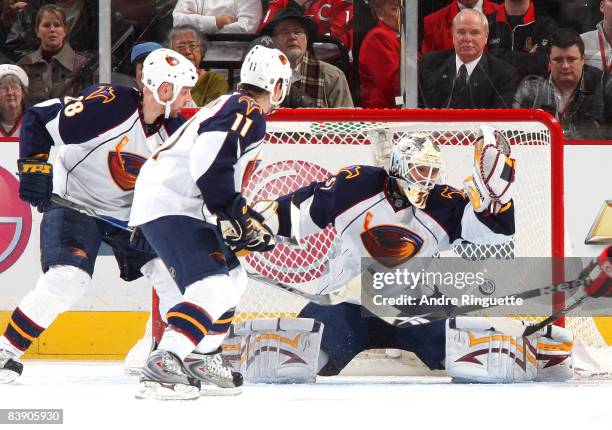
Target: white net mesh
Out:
[297,153]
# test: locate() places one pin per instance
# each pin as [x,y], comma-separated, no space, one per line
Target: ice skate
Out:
[10,366]
[217,377]
[164,377]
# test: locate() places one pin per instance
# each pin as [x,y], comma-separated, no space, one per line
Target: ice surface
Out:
[99,395]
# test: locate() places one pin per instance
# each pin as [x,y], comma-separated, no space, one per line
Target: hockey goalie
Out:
[407,195]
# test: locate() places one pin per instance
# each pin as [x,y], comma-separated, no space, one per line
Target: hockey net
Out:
[302,146]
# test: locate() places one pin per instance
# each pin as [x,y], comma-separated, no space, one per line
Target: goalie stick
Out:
[401,318]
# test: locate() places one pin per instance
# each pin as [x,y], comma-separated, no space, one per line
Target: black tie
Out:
[460,98]
[462,75]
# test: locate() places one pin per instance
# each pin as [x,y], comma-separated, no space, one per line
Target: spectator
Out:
[380,85]
[81,19]
[598,43]
[189,42]
[8,13]
[519,34]
[219,16]
[137,56]
[54,68]
[13,91]
[332,17]
[467,77]
[437,25]
[573,92]
[321,84]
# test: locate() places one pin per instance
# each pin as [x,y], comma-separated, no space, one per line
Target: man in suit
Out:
[466,78]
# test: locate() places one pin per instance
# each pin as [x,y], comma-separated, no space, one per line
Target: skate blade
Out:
[213,390]
[155,390]
[7,376]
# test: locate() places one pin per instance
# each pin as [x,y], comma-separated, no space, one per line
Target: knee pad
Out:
[214,294]
[56,291]
[168,292]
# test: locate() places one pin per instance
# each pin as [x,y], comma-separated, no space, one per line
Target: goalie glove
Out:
[35,182]
[598,275]
[243,228]
[489,187]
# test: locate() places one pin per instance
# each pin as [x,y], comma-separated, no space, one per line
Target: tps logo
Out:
[15,221]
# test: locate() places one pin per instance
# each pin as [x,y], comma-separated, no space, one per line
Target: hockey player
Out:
[392,216]
[107,132]
[189,206]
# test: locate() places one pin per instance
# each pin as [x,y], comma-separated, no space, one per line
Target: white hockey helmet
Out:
[263,67]
[166,65]
[416,163]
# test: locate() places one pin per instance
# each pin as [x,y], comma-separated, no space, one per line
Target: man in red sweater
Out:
[380,85]
[437,25]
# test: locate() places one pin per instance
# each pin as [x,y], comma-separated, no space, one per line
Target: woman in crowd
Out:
[54,69]
[13,99]
[188,41]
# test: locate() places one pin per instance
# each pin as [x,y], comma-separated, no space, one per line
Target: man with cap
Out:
[13,92]
[294,34]
[137,57]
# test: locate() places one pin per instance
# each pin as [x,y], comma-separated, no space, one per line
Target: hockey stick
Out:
[399,318]
[88,211]
[314,298]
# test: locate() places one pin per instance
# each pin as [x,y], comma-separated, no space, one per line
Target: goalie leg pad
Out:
[485,356]
[555,355]
[275,350]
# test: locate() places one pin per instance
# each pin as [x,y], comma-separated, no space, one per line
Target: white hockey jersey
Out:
[105,144]
[372,220]
[201,168]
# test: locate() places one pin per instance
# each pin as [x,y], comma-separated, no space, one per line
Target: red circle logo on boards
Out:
[15,221]
[290,264]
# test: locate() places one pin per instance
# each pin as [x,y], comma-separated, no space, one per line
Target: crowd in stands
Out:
[554,55]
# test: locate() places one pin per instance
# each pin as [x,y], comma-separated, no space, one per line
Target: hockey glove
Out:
[490,186]
[35,182]
[243,228]
[598,275]
[139,242]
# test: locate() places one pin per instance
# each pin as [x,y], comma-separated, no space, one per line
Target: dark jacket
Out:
[513,44]
[587,114]
[61,77]
[491,85]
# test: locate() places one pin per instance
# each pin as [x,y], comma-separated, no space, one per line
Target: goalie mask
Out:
[415,164]
[263,68]
[166,65]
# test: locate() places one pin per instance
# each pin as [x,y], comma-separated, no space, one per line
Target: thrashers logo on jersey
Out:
[390,245]
[124,167]
[104,92]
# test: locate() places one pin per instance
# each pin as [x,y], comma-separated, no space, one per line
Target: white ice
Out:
[99,395]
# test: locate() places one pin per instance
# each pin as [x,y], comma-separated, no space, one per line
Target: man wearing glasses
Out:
[324,84]
[575,93]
